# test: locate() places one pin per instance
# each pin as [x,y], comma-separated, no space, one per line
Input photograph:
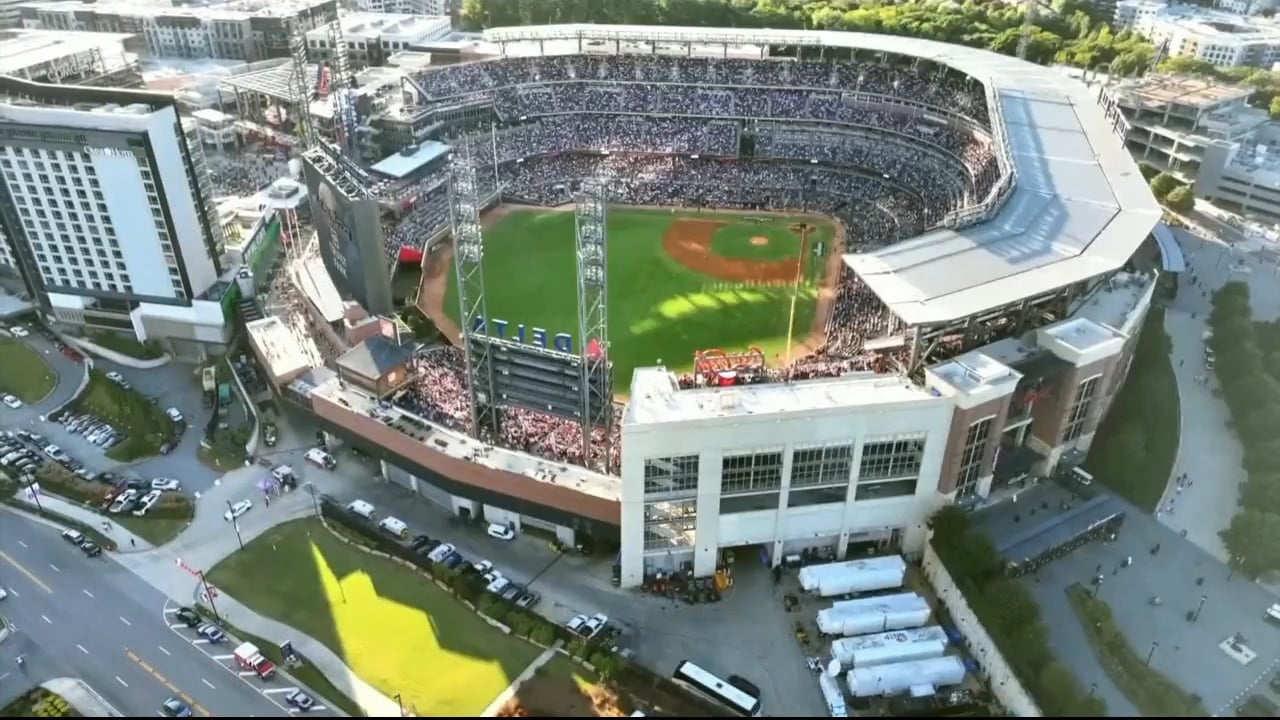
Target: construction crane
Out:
[300,89]
[342,81]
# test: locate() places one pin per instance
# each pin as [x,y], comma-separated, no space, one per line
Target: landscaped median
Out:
[8,490]
[144,423]
[38,702]
[1147,688]
[25,374]
[162,523]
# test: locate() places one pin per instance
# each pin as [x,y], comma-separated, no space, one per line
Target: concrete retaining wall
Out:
[250,445]
[120,358]
[1004,684]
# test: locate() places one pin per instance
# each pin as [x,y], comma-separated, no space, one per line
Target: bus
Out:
[721,692]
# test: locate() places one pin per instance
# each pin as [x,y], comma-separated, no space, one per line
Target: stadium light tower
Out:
[593,320]
[468,253]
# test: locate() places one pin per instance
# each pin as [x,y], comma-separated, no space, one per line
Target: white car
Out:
[577,624]
[165,484]
[501,532]
[12,402]
[115,377]
[595,624]
[236,510]
[18,331]
[174,415]
[146,502]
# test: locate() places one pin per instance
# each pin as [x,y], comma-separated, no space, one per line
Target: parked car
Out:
[188,617]
[528,599]
[270,435]
[18,331]
[300,700]
[75,537]
[91,549]
[175,415]
[237,509]
[320,458]
[173,707]
[165,484]
[146,503]
[211,632]
[501,532]
[118,379]
[12,402]
[123,502]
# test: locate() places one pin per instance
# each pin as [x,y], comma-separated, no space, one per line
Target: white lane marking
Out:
[206,682]
[318,708]
[170,610]
[46,619]
[55,567]
[86,592]
[121,681]
[166,652]
[200,641]
[81,647]
[14,592]
[247,673]
[272,691]
[222,657]
[22,543]
[177,625]
[126,622]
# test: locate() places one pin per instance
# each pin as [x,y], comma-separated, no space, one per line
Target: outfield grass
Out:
[24,373]
[1135,448]
[659,310]
[392,626]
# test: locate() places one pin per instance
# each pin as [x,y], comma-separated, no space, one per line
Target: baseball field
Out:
[678,282]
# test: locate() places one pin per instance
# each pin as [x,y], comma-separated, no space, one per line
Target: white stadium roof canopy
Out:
[1079,208]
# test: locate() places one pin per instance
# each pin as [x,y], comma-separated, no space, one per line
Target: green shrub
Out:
[543,632]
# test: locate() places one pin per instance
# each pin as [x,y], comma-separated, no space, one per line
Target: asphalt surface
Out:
[91,618]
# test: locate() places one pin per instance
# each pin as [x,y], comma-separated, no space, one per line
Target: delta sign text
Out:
[536,336]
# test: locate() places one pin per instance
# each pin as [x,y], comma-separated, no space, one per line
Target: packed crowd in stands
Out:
[602,133]
[943,89]
[418,217]
[440,396]
[243,174]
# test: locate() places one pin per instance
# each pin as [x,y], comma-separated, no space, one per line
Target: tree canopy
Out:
[1074,33]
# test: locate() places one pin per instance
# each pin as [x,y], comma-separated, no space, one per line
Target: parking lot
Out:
[221,648]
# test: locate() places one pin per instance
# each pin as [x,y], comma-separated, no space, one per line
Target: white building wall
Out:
[131,217]
[713,438]
[166,138]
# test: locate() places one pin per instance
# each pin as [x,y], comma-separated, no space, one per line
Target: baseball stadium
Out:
[849,279]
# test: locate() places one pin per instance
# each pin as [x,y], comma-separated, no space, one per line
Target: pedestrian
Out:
[132,542]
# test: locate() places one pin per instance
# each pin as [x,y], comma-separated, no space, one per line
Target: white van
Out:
[319,457]
[394,526]
[361,508]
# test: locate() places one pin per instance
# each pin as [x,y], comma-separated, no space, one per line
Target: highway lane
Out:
[90,618]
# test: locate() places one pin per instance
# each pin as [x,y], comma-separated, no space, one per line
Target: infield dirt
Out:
[688,242]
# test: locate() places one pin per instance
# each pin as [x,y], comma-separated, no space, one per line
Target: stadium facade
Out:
[1014,318]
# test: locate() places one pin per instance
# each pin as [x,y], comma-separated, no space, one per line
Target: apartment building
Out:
[408,7]
[372,38]
[248,30]
[1225,39]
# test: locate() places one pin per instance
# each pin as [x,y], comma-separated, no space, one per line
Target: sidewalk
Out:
[125,541]
[373,702]
[80,696]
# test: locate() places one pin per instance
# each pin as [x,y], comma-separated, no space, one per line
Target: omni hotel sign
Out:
[536,336]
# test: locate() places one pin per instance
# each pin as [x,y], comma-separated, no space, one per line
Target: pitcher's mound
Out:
[759,240]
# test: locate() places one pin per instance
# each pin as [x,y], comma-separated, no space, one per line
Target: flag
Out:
[594,349]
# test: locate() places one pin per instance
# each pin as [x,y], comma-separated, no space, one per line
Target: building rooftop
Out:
[1079,209]
[274,82]
[1112,304]
[1043,517]
[1181,90]
[371,25]
[376,356]
[460,446]
[1079,334]
[319,288]
[25,48]
[411,159]
[974,371]
[656,397]
[227,9]
[276,344]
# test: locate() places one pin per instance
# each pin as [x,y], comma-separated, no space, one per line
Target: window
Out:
[671,474]
[1080,407]
[891,459]
[817,496]
[975,447]
[818,466]
[670,524]
[757,472]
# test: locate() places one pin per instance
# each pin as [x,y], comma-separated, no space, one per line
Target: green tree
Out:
[1181,199]
[1163,184]
[1255,536]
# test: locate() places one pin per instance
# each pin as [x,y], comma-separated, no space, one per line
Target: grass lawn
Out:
[1154,694]
[1135,448]
[658,308]
[24,373]
[155,530]
[393,627]
[126,345]
[38,702]
[144,423]
[562,689]
[167,518]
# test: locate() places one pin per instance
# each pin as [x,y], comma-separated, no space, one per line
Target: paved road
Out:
[92,619]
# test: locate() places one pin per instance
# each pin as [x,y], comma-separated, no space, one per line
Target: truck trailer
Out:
[833,696]
[854,576]
[887,648]
[874,615]
[897,677]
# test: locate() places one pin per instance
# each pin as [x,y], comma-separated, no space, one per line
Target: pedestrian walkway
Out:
[522,678]
[80,696]
[125,540]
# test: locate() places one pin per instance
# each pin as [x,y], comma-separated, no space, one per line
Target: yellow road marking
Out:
[165,681]
[30,575]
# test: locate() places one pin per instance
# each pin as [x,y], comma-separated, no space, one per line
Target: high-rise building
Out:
[103,199]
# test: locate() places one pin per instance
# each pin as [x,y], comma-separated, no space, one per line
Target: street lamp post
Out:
[399,703]
[209,594]
[1199,607]
[235,524]
[315,501]
[1151,653]
[1236,561]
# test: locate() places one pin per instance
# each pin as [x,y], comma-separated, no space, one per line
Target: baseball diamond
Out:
[680,281]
